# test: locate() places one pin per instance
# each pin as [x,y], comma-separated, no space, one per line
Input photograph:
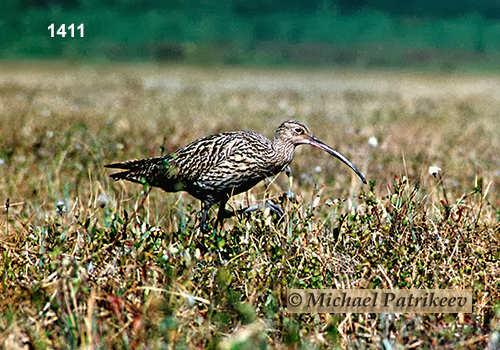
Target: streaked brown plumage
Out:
[216,167]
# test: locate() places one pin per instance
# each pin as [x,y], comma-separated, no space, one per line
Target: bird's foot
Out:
[275,208]
[225,214]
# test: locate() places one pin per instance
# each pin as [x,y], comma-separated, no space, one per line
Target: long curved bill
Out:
[317,143]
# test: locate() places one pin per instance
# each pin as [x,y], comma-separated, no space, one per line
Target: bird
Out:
[216,167]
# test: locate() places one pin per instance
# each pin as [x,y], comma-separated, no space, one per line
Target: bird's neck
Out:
[283,151]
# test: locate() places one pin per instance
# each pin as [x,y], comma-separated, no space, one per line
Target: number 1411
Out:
[62,30]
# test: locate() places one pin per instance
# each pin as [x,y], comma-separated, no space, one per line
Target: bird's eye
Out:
[299,131]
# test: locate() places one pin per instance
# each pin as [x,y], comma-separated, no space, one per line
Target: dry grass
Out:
[75,275]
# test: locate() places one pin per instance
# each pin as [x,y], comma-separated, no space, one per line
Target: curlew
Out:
[216,167]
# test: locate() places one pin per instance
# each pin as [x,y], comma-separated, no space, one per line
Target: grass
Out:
[93,264]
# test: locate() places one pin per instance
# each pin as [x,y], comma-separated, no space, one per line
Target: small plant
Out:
[435,171]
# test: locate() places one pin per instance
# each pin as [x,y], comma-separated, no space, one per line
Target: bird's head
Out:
[295,133]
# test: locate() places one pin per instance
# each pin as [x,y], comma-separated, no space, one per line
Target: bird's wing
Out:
[241,159]
[195,162]
[202,156]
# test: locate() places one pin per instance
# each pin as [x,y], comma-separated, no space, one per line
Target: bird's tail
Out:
[143,171]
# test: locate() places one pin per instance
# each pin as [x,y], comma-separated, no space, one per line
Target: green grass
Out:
[226,33]
[78,271]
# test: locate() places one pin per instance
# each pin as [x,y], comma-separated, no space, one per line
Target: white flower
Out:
[102,200]
[316,201]
[190,299]
[60,207]
[372,141]
[434,170]
[283,105]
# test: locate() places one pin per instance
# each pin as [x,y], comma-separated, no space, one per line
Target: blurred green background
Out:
[443,35]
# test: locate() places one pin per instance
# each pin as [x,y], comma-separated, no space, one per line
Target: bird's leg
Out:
[222,214]
[203,226]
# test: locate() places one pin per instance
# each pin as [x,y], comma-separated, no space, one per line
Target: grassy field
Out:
[94,264]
